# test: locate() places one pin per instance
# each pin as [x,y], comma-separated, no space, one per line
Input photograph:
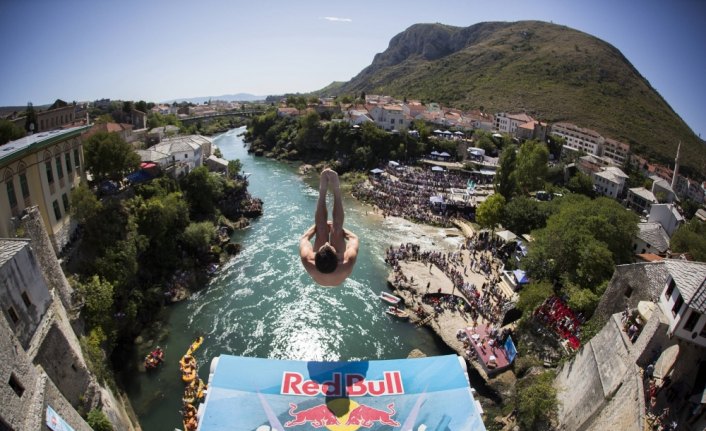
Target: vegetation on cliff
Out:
[133,244]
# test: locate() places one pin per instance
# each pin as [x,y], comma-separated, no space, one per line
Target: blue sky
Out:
[158,50]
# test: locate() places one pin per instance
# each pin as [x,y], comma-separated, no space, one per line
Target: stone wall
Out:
[592,383]
[44,252]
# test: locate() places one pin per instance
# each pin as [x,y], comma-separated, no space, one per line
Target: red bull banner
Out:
[278,395]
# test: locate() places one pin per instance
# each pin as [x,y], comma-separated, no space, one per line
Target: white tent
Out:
[376,171]
[444,154]
[437,169]
[506,235]
[393,163]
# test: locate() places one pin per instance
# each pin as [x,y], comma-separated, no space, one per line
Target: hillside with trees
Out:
[552,72]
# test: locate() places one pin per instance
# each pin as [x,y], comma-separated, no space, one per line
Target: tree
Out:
[489,212]
[505,182]
[108,156]
[691,238]
[234,168]
[198,236]
[31,119]
[532,295]
[203,189]
[531,169]
[536,401]
[84,204]
[10,131]
[98,296]
[98,421]
[582,240]
[523,215]
[581,183]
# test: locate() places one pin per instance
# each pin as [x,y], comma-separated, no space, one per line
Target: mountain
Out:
[240,97]
[552,72]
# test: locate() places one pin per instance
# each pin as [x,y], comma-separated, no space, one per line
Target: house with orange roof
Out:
[508,123]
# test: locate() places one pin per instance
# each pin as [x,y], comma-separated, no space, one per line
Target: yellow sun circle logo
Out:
[342,407]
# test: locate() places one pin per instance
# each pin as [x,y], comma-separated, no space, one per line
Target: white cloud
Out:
[337,19]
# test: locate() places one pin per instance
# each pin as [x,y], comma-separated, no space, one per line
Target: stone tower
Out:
[676,168]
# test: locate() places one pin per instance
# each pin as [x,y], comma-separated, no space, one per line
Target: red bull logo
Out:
[358,415]
[342,385]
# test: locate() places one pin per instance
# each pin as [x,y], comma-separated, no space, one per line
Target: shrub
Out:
[98,421]
[536,401]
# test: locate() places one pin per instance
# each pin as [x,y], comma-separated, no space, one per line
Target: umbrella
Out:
[666,361]
[434,153]
[393,163]
[520,276]
[377,171]
[438,131]
[446,132]
[645,309]
[476,152]
[445,154]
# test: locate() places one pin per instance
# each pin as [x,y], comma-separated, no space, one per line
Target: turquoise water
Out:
[263,304]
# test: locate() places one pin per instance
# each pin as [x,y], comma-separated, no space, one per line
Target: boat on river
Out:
[390,298]
[394,311]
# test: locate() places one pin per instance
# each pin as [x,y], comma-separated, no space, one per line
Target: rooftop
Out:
[14,149]
[644,194]
[654,234]
[690,278]
[9,248]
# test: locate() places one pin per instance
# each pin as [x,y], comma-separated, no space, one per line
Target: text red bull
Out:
[366,416]
[356,385]
[319,416]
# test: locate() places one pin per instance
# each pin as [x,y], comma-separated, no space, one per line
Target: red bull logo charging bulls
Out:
[342,414]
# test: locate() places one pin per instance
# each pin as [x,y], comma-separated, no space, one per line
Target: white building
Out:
[509,123]
[609,181]
[578,138]
[651,238]
[187,151]
[640,200]
[667,216]
[683,300]
[389,117]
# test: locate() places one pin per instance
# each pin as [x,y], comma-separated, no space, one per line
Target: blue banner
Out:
[267,394]
[510,349]
[56,422]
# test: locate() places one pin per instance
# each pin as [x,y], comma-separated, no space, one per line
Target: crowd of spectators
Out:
[407,193]
[486,301]
[555,314]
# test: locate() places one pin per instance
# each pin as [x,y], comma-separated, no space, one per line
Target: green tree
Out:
[84,204]
[523,215]
[532,295]
[108,156]
[31,124]
[691,238]
[582,240]
[203,189]
[98,421]
[490,211]
[531,168]
[536,401]
[581,300]
[9,131]
[581,183]
[98,301]
[505,182]
[198,236]
[234,168]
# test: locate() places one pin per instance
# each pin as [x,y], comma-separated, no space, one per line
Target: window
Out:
[59,168]
[57,211]
[65,200]
[24,186]
[677,305]
[77,161]
[186,156]
[16,385]
[13,315]
[628,292]
[25,299]
[50,176]
[67,156]
[691,321]
[670,289]
[11,192]
[703,331]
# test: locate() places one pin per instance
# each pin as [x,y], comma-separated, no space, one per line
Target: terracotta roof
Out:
[650,257]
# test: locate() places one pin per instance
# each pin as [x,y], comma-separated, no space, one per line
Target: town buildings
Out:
[41,169]
[591,142]
[609,181]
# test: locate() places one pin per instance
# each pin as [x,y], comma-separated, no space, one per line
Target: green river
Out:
[263,304]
